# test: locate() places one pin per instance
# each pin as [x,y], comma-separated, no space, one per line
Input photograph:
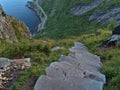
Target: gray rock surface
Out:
[80,9]
[106,17]
[114,40]
[73,83]
[4,62]
[56,48]
[77,71]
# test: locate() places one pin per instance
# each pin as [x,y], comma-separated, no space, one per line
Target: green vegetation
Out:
[41,54]
[112,3]
[12,30]
[19,28]
[110,58]
[62,25]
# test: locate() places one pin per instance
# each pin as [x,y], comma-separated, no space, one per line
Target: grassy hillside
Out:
[41,54]
[62,24]
[12,30]
[21,31]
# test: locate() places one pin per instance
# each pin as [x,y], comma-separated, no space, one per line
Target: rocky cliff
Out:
[12,30]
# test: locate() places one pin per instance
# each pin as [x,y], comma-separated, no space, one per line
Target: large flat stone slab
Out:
[73,83]
[64,69]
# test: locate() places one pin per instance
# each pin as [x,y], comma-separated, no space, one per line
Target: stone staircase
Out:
[77,71]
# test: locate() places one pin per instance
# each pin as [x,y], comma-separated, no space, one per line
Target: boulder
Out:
[65,70]
[4,62]
[116,29]
[56,48]
[114,38]
[112,41]
[23,63]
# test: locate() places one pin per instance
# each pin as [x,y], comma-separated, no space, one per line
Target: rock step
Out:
[73,83]
[64,70]
[77,71]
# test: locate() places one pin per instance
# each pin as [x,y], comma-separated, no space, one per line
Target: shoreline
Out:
[40,13]
[33,9]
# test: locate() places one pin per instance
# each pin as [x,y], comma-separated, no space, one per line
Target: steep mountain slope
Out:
[62,23]
[70,18]
[12,30]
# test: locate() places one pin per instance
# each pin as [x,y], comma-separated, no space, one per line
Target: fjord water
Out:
[19,10]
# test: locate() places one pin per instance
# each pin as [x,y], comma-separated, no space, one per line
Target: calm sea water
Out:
[18,9]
